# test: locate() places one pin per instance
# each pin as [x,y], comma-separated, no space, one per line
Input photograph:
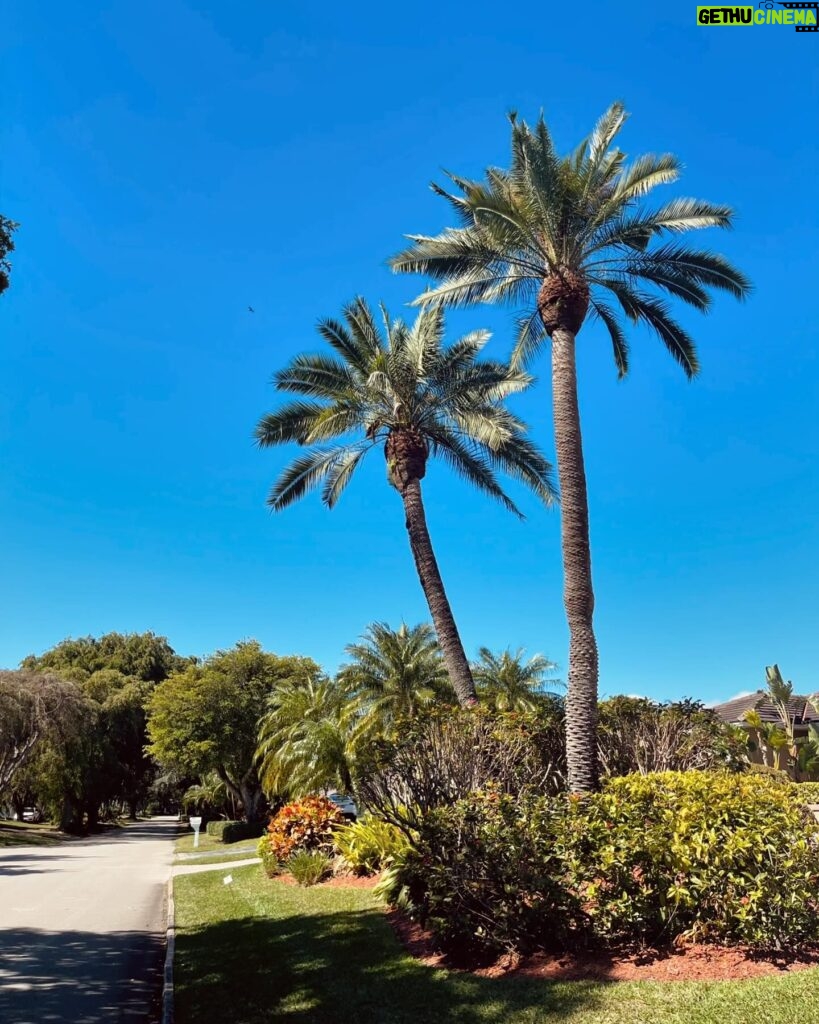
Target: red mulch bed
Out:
[689,963]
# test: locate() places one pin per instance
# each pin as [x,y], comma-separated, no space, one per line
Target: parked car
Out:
[345,804]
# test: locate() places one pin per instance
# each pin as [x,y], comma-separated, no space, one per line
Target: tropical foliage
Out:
[561,238]
[507,682]
[400,389]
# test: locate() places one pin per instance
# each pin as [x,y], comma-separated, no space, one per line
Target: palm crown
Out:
[395,673]
[394,379]
[553,232]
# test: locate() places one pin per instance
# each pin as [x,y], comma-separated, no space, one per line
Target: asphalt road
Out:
[82,927]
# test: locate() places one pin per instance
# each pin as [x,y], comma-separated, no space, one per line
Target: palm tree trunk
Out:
[425,562]
[578,595]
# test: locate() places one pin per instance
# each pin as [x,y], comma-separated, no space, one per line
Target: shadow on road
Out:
[79,977]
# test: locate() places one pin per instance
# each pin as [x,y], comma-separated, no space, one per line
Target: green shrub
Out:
[807,792]
[773,773]
[484,877]
[235,831]
[369,844]
[270,862]
[309,866]
[699,855]
[706,856]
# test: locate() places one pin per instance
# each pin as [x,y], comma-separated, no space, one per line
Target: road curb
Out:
[167,978]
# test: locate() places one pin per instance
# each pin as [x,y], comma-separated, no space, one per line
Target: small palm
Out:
[511,683]
[394,674]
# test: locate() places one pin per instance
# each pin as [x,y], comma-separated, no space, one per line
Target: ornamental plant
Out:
[305,824]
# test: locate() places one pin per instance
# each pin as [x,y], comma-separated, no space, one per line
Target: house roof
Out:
[802,710]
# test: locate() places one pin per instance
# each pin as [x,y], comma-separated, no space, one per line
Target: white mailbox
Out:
[196,824]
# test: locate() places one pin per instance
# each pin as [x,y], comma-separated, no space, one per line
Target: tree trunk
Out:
[425,562]
[578,595]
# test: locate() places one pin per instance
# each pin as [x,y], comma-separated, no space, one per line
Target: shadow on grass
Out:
[76,976]
[339,968]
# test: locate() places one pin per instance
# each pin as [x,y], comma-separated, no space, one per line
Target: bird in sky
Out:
[250,309]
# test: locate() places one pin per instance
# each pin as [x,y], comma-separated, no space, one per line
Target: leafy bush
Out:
[369,844]
[483,875]
[215,828]
[270,863]
[696,855]
[447,753]
[807,792]
[306,824]
[308,867]
[773,773]
[235,831]
[639,735]
[706,856]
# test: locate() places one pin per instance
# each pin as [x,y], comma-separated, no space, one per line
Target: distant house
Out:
[802,711]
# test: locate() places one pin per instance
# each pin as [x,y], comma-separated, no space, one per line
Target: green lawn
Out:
[260,951]
[216,850]
[23,833]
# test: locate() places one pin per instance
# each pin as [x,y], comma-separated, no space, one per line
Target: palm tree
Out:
[394,674]
[559,237]
[400,389]
[306,737]
[512,684]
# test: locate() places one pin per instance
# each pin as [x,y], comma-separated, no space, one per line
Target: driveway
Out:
[82,927]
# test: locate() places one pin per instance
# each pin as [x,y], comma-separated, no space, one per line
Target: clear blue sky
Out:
[172,163]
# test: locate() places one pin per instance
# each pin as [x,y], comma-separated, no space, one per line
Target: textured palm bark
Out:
[427,565]
[578,594]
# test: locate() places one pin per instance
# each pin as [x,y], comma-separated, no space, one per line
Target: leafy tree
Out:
[205,718]
[144,656]
[7,229]
[394,674]
[33,708]
[509,683]
[400,389]
[561,237]
[306,737]
[107,763]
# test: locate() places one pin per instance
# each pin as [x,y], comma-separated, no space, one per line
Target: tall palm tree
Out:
[399,388]
[559,237]
[306,738]
[511,684]
[394,674]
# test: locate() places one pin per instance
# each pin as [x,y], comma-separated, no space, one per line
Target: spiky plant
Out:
[565,238]
[509,682]
[399,388]
[394,674]
[305,738]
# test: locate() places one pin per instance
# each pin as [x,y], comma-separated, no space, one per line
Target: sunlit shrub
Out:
[309,867]
[306,824]
[369,844]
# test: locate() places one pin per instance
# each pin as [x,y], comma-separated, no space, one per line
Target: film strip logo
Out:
[768,5]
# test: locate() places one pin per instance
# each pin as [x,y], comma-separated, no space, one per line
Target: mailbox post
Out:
[196,824]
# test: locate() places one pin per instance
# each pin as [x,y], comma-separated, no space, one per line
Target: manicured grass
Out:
[230,853]
[207,844]
[23,833]
[258,951]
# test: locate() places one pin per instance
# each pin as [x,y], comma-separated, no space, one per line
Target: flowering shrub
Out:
[303,825]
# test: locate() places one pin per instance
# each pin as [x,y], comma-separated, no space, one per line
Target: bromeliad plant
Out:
[565,239]
[400,389]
